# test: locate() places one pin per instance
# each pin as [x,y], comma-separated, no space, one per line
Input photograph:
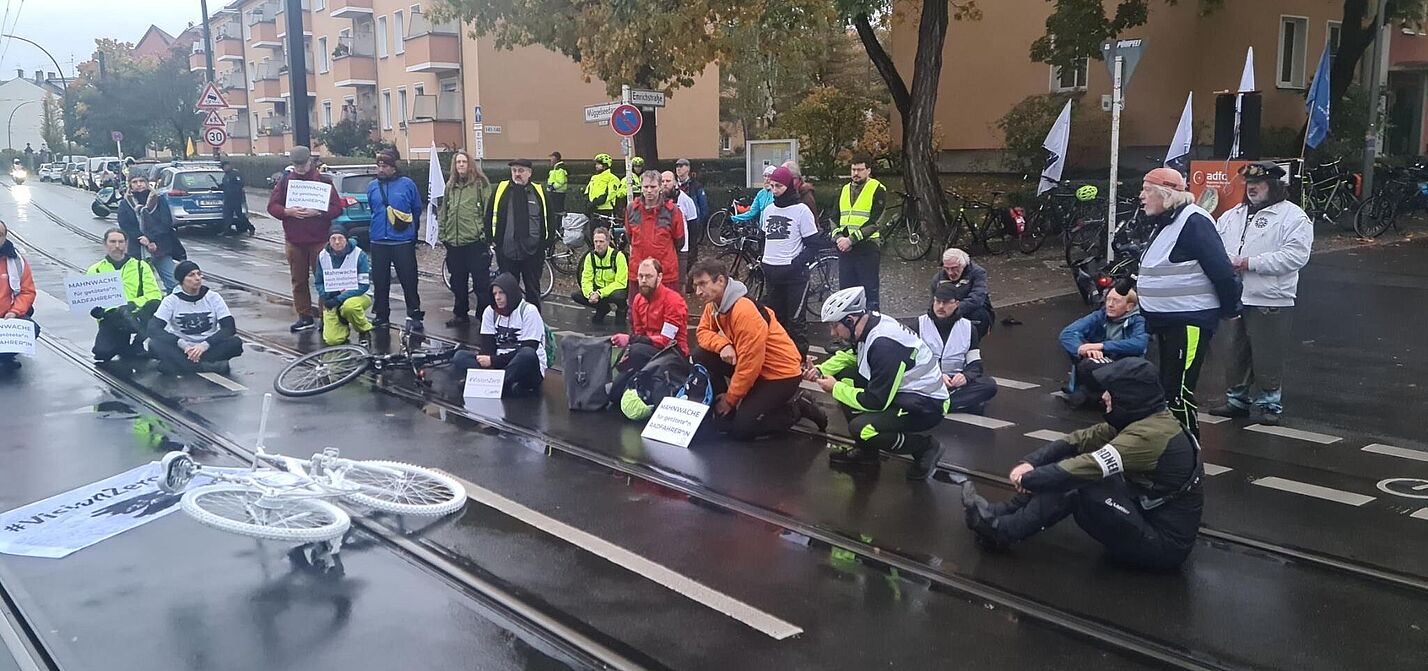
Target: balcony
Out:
[274,125]
[285,84]
[270,145]
[432,47]
[227,47]
[233,90]
[197,61]
[443,133]
[265,36]
[354,61]
[268,88]
[446,107]
[356,9]
[283,25]
[1408,50]
[238,128]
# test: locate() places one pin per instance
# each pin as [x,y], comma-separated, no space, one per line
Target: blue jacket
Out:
[763,199]
[1092,329]
[364,271]
[404,197]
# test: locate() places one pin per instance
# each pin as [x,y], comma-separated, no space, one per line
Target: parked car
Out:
[51,172]
[72,174]
[351,183]
[100,168]
[193,194]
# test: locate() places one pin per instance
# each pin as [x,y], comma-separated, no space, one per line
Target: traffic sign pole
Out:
[625,100]
[1117,101]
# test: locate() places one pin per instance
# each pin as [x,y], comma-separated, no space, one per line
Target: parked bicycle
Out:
[332,367]
[1329,194]
[715,231]
[1396,194]
[822,281]
[907,234]
[1056,211]
[743,255]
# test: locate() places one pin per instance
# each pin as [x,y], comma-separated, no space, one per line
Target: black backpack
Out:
[664,375]
[586,361]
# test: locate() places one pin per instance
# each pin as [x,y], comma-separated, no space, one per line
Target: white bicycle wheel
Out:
[241,510]
[405,489]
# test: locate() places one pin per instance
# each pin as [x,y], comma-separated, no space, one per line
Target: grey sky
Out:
[68,28]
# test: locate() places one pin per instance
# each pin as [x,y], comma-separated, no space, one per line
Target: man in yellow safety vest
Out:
[859,207]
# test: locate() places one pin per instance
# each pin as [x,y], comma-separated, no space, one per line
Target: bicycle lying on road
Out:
[332,367]
[286,500]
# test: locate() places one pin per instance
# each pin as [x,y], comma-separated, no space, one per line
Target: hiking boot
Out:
[809,410]
[303,324]
[854,456]
[1229,410]
[984,524]
[924,463]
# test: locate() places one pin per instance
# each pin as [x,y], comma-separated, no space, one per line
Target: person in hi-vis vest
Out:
[1186,284]
[860,205]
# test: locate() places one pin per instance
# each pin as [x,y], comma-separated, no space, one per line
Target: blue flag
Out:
[1317,104]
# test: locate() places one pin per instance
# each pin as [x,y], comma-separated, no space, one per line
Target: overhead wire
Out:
[6,49]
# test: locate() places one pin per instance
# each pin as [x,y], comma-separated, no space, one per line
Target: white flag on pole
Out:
[1246,85]
[1055,146]
[1178,155]
[435,188]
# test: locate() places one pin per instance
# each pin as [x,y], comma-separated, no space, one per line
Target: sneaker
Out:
[303,324]
[809,410]
[1269,417]
[459,320]
[1229,410]
[854,456]
[924,463]
[597,318]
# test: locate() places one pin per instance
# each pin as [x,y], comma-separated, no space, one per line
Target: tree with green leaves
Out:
[352,136]
[51,126]
[150,101]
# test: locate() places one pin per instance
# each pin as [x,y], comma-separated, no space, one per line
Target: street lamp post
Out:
[64,93]
[10,125]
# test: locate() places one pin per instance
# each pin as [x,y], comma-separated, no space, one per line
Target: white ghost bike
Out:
[287,499]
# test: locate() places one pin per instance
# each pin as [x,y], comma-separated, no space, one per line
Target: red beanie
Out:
[783,176]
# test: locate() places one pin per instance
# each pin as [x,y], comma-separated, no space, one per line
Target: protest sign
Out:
[484,383]
[103,290]
[309,194]
[675,421]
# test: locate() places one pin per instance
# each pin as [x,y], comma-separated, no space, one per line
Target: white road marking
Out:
[1326,493]
[224,382]
[1421,513]
[1297,434]
[763,622]
[1215,469]
[1014,384]
[1045,434]
[1207,418]
[978,420]
[1403,452]
[16,648]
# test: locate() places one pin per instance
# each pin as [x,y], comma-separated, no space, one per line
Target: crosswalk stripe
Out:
[1014,384]
[1215,469]
[1402,452]
[1421,513]
[224,382]
[978,420]
[1205,418]
[1297,434]
[1045,434]
[1316,491]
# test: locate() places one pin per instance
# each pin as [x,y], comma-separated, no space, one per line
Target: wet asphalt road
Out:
[1284,614]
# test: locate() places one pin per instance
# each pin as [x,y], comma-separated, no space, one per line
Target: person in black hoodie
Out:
[512,339]
[142,209]
[1131,482]
[193,331]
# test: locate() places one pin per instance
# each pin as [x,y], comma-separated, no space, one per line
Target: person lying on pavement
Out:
[955,343]
[512,339]
[193,331]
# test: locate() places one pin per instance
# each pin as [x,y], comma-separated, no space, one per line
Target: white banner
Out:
[435,189]
[309,194]
[104,290]
[17,336]
[339,279]
[484,383]
[66,523]
[1055,146]
[675,421]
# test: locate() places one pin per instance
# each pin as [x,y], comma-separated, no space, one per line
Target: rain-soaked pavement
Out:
[1304,562]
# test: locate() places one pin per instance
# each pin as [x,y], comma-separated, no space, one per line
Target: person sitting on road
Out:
[954,342]
[889,386]
[656,229]
[123,329]
[974,299]
[1131,482]
[754,368]
[762,199]
[512,339]
[604,279]
[193,331]
[658,315]
[17,290]
[343,308]
[1115,331]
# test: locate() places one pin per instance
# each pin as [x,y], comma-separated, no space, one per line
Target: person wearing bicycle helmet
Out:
[860,206]
[1186,285]
[631,185]
[1269,240]
[889,386]
[762,199]
[603,189]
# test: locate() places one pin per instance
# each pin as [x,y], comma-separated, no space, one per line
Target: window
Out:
[419,89]
[1335,29]
[252,75]
[1293,33]
[382,36]
[725,142]
[319,5]
[327,114]
[1069,79]
[387,110]
[402,110]
[322,55]
[401,32]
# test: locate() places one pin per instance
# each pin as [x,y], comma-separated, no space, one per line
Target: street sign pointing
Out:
[215,136]
[626,120]
[1129,51]
[212,119]
[211,98]
[646,98]
[600,113]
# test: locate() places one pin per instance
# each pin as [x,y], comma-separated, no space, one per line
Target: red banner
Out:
[1217,185]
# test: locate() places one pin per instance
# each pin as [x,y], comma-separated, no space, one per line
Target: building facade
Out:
[22,106]
[422,83]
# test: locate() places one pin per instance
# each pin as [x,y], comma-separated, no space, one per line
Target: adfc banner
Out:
[1217,185]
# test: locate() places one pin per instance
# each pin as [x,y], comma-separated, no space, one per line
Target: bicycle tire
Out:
[714,230]
[822,282]
[737,263]
[440,494]
[1341,207]
[1375,215]
[564,259]
[909,239]
[547,278]
[992,228]
[316,361]
[233,508]
[1038,228]
[445,274]
[755,283]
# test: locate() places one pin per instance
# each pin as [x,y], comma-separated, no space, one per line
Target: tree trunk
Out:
[884,63]
[919,160]
[647,140]
[1354,39]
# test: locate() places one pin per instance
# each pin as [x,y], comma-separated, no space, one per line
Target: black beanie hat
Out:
[183,269]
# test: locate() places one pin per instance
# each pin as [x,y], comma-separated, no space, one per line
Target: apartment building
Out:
[422,83]
[987,69]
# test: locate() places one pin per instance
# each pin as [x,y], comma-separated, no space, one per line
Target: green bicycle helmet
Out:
[634,407]
[637,162]
[1087,192]
[602,158]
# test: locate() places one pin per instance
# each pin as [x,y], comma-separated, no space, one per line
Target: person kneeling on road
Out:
[343,308]
[1116,331]
[753,366]
[657,319]
[512,339]
[604,279]
[889,386]
[1132,482]
[958,347]
[17,290]
[123,329]
[193,331]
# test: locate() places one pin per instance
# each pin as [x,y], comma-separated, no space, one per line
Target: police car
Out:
[193,192]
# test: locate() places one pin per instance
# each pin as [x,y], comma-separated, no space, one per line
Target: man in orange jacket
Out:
[753,365]
[17,289]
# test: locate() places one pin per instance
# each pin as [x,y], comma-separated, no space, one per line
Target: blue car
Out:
[194,195]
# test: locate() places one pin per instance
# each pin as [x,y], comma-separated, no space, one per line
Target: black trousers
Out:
[403,257]
[971,397]
[1182,350]
[1107,512]
[469,265]
[892,430]
[616,300]
[860,267]
[524,373]
[768,408]
[528,272]
[171,352]
[636,356]
[784,287]
[122,331]
[233,213]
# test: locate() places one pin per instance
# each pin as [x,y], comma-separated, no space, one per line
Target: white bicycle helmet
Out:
[844,303]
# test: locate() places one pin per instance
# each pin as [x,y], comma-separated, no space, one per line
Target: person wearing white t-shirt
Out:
[512,339]
[670,186]
[790,236]
[193,331]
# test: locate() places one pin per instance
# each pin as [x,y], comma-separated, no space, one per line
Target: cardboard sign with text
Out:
[339,279]
[102,290]
[17,336]
[309,194]
[484,383]
[675,421]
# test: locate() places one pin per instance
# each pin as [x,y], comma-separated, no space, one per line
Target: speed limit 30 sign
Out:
[215,136]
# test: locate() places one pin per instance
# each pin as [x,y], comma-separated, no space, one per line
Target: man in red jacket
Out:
[656,229]
[658,317]
[306,231]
